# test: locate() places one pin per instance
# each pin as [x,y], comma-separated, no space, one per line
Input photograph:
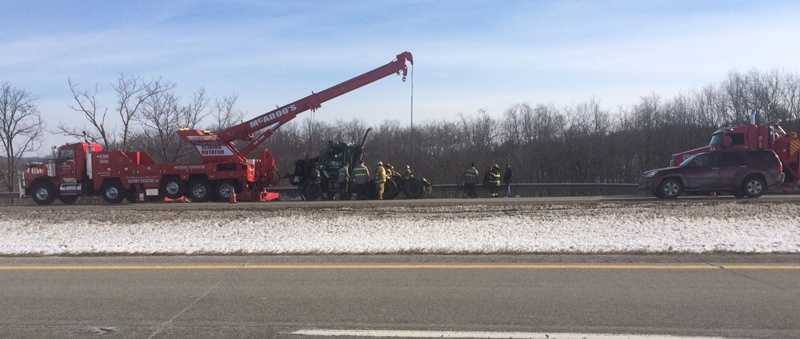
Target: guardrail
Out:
[5,195]
[541,189]
[524,189]
[455,190]
[9,198]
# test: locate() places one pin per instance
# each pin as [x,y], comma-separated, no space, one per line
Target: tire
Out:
[68,199]
[753,186]
[113,193]
[224,190]
[172,188]
[669,189]
[199,190]
[43,193]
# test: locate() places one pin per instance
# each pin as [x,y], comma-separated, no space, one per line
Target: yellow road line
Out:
[398,266]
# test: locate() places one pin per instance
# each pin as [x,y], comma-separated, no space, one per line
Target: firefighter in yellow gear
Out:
[390,171]
[380,180]
[493,180]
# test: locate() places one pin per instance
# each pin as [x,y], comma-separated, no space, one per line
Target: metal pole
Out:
[413,144]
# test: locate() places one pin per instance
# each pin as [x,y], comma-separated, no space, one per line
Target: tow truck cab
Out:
[64,176]
[747,136]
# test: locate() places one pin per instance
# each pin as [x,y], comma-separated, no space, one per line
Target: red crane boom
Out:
[215,147]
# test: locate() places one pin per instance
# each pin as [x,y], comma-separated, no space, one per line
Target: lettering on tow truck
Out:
[273,115]
[189,167]
[142,180]
[214,150]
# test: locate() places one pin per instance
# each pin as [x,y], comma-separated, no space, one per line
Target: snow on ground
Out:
[568,228]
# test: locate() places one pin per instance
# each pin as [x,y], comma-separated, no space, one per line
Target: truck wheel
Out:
[225,190]
[43,193]
[669,189]
[172,188]
[199,190]
[68,199]
[113,193]
[753,186]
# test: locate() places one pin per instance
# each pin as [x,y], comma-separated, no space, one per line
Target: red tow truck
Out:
[86,168]
[755,136]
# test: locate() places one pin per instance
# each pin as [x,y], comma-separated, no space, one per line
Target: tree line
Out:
[543,143]
[580,143]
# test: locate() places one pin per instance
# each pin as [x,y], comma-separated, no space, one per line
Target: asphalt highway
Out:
[752,296]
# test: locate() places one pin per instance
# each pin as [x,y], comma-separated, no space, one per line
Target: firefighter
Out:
[314,185]
[360,179]
[492,180]
[408,173]
[380,180]
[470,180]
[390,172]
[507,180]
[342,180]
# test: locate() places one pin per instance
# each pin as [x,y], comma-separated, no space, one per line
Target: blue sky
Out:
[469,55]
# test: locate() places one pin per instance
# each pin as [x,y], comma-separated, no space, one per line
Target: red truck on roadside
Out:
[86,168]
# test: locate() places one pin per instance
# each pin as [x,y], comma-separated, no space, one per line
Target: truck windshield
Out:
[716,139]
[66,154]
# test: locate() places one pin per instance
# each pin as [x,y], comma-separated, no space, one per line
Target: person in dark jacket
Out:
[507,180]
[470,180]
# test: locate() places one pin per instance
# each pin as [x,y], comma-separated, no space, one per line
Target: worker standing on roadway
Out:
[343,179]
[470,180]
[390,171]
[493,180]
[408,173]
[507,179]
[380,180]
[360,179]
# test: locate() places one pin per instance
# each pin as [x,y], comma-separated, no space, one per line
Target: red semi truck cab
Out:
[62,177]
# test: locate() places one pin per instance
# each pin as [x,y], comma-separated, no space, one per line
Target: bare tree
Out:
[225,113]
[162,115]
[3,172]
[21,128]
[131,93]
[85,102]
[195,111]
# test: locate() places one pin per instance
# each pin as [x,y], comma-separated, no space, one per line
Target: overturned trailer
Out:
[316,177]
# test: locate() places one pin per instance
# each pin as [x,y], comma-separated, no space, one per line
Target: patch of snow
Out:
[610,227]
